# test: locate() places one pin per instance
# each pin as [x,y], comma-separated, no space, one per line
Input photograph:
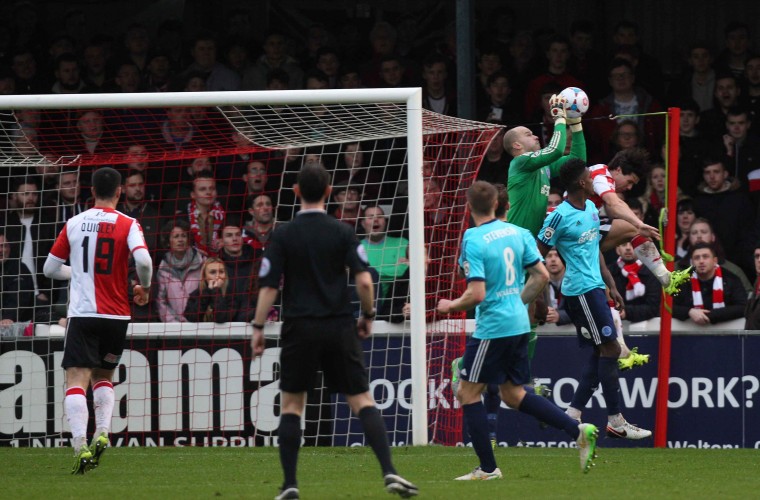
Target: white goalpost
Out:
[413,153]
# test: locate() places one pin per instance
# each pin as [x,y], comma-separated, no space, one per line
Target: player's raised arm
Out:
[618,209]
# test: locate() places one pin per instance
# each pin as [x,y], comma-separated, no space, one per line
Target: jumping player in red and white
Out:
[97,243]
[619,224]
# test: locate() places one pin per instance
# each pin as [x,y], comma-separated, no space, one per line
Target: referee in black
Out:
[319,331]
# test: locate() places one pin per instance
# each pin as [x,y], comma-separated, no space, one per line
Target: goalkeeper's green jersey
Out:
[530,174]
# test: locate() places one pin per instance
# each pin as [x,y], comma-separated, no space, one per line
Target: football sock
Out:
[477,423]
[588,382]
[647,253]
[573,413]
[546,411]
[492,400]
[377,437]
[616,420]
[103,401]
[289,437]
[609,378]
[77,415]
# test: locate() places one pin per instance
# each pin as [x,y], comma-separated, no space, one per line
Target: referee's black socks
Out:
[289,437]
[377,437]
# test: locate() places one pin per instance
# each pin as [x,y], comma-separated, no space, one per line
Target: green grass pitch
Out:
[327,473]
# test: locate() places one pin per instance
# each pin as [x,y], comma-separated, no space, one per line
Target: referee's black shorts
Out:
[94,342]
[327,344]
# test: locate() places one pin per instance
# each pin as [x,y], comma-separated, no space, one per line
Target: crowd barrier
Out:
[712,393]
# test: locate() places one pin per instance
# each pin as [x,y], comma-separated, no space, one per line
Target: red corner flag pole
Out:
[663,367]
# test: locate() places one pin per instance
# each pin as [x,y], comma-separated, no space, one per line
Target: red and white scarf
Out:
[717,291]
[634,288]
[217,216]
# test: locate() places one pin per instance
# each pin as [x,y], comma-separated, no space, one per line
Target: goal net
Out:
[208,176]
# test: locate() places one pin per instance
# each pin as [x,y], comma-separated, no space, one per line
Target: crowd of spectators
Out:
[208,216]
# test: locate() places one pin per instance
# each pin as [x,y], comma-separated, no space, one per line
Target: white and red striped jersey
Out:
[97,243]
[603,183]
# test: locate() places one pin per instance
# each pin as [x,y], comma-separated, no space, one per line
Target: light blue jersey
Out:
[498,253]
[575,235]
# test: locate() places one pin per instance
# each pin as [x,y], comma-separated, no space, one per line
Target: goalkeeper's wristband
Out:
[576,127]
[257,326]
[561,119]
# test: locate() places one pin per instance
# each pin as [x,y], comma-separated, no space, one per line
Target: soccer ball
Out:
[577,102]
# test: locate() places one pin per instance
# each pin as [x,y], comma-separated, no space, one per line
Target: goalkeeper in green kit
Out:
[531,171]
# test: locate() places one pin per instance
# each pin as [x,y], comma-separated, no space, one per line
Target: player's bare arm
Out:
[267,296]
[538,277]
[609,281]
[618,209]
[472,296]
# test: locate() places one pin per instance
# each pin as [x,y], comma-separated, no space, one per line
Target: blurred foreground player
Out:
[319,331]
[97,243]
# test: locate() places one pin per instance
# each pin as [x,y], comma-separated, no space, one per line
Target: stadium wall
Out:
[180,390]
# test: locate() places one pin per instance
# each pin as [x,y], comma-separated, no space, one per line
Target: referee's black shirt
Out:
[313,252]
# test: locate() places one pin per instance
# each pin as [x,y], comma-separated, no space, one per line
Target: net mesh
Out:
[187,375]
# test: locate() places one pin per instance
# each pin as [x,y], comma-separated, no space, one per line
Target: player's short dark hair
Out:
[313,179]
[481,196]
[502,200]
[105,182]
[631,161]
[571,172]
[702,245]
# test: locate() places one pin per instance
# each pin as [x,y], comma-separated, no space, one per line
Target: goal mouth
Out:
[196,380]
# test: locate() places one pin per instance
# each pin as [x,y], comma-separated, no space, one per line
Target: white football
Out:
[577,102]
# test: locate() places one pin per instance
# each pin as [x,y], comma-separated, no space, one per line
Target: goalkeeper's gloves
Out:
[557,106]
[574,124]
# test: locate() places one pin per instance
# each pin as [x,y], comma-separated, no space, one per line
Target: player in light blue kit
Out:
[573,229]
[494,258]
